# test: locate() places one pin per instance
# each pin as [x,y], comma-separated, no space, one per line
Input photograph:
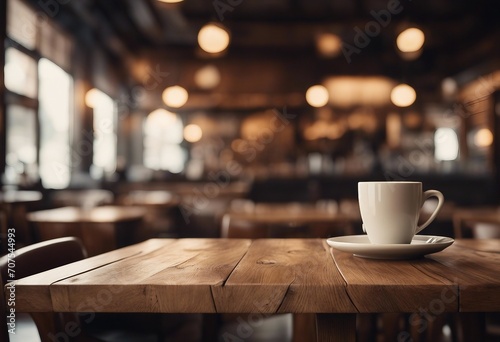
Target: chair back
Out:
[34,259]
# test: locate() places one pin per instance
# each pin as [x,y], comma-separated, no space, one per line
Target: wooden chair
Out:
[37,258]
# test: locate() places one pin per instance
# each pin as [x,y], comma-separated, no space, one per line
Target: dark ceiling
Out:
[274,40]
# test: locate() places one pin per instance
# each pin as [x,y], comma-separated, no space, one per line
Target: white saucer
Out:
[360,246]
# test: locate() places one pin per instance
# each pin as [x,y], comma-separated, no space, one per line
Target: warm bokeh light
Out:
[192,133]
[213,38]
[329,44]
[410,40]
[94,97]
[207,77]
[348,91]
[175,96]
[403,95]
[170,1]
[483,138]
[317,96]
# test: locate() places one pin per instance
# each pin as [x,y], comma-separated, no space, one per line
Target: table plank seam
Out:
[346,285]
[226,279]
[223,283]
[278,309]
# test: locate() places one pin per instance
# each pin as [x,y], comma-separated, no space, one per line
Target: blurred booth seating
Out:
[86,198]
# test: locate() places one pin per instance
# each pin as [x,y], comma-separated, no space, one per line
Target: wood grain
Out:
[390,285]
[284,275]
[33,293]
[477,274]
[485,245]
[174,278]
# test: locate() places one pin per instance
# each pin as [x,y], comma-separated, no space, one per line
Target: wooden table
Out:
[269,276]
[101,229]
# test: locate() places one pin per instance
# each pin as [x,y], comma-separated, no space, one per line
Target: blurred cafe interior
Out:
[162,118]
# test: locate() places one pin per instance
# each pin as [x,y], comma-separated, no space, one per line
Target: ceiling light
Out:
[192,133]
[483,138]
[207,77]
[170,1]
[351,91]
[175,96]
[403,95]
[317,96]
[410,40]
[329,44]
[213,38]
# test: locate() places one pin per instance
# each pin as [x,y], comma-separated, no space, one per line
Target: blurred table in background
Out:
[101,229]
[13,208]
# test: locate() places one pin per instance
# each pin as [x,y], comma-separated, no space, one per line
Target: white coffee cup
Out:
[390,210]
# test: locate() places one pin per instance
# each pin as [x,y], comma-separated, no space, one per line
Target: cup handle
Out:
[427,195]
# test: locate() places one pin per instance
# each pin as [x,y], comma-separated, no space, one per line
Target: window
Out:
[21,145]
[55,88]
[39,98]
[105,139]
[163,134]
[20,73]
